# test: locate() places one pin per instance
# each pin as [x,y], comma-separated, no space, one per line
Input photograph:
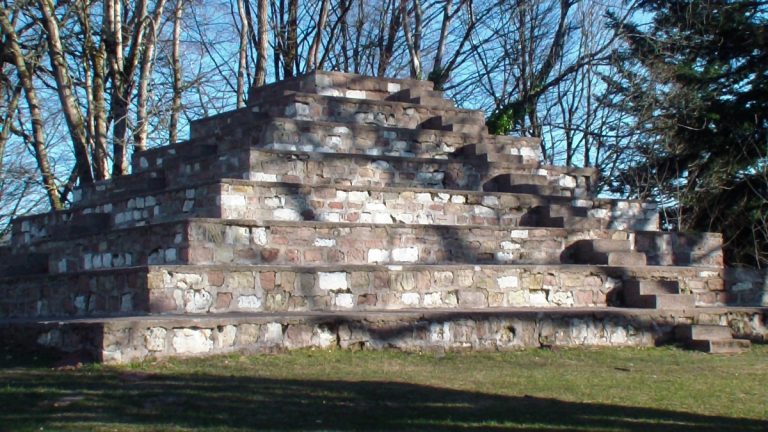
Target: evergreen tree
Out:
[695,79]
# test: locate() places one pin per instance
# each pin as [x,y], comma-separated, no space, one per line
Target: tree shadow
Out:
[39,398]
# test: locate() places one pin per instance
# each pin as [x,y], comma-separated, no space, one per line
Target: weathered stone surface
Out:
[349,194]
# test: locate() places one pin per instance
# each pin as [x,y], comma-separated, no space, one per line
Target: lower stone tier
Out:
[208,289]
[122,340]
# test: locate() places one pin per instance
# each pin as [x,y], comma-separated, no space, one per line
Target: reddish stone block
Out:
[269,254]
[313,255]
[216,278]
[293,255]
[336,205]
[223,300]
[267,280]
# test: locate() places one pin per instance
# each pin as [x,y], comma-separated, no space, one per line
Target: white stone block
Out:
[432,300]
[197,301]
[355,94]
[341,130]
[262,177]
[404,218]
[225,337]
[344,300]
[506,282]
[323,337]
[329,91]
[561,298]
[518,234]
[458,199]
[62,266]
[505,256]
[407,254]
[393,87]
[442,197]
[357,197]
[538,298]
[330,281]
[154,339]
[423,197]
[410,299]
[274,202]
[233,200]
[490,201]
[508,245]
[440,332]
[517,298]
[483,211]
[374,207]
[192,341]
[322,242]
[329,217]
[567,181]
[378,255]
[250,302]
[259,236]
[285,214]
[273,333]
[382,218]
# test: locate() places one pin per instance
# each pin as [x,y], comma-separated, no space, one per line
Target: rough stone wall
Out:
[120,342]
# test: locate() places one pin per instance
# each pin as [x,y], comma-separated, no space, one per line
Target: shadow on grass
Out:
[36,398]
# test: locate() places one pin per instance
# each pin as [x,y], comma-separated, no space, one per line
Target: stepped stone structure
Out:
[338,210]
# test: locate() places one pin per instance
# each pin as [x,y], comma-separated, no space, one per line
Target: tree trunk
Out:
[291,39]
[261,49]
[33,104]
[318,38]
[140,133]
[173,125]
[242,52]
[69,105]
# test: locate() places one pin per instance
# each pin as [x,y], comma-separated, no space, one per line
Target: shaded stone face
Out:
[364,200]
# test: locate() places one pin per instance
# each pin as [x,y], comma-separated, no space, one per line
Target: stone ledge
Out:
[121,340]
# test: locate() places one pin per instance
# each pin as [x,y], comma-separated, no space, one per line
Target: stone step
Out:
[461,125]
[245,128]
[634,289]
[604,252]
[719,346]
[140,338]
[262,201]
[490,153]
[243,199]
[123,186]
[338,84]
[213,241]
[420,96]
[313,107]
[207,289]
[700,331]
[663,301]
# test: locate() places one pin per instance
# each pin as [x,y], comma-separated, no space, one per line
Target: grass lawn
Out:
[535,390]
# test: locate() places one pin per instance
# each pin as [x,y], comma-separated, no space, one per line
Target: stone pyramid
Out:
[339,210]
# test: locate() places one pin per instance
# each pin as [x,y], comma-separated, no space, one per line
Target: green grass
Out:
[536,390]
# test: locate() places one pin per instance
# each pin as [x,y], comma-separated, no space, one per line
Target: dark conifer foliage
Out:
[695,77]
